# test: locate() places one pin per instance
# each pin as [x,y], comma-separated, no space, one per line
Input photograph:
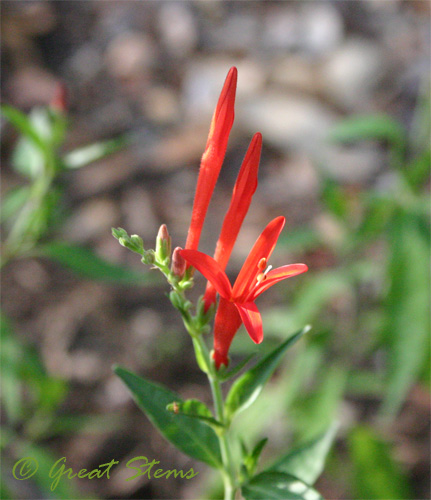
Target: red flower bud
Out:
[59,102]
[179,264]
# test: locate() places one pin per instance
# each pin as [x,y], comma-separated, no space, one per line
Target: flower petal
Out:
[252,320]
[213,156]
[276,275]
[263,248]
[212,271]
[245,187]
[226,324]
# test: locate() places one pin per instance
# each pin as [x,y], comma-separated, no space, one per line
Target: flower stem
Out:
[229,471]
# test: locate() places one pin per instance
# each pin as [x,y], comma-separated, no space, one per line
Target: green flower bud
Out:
[163,244]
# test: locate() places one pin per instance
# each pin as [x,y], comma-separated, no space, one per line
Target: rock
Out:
[161,105]
[92,219]
[31,86]
[287,121]
[280,27]
[352,72]
[130,54]
[138,213]
[295,73]
[178,28]
[321,28]
[204,80]
[294,180]
[238,31]
[85,63]
[351,164]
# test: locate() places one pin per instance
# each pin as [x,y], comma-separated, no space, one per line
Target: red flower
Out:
[236,304]
[213,156]
[245,187]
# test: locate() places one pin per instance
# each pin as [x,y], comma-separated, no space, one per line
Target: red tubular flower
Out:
[213,156]
[245,187]
[237,303]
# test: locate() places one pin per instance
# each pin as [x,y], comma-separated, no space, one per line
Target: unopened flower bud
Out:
[179,264]
[59,101]
[163,243]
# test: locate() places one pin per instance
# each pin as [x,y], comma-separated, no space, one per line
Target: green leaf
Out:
[370,127]
[196,440]
[31,158]
[224,376]
[22,123]
[376,475]
[89,265]
[251,459]
[11,355]
[247,388]
[278,486]
[13,201]
[314,412]
[407,310]
[307,461]
[335,198]
[93,152]
[28,158]
[194,408]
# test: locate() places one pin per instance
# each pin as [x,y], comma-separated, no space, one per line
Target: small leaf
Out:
[376,474]
[370,127]
[22,123]
[13,201]
[88,264]
[278,486]
[307,461]
[89,154]
[194,408]
[11,354]
[251,460]
[248,387]
[196,440]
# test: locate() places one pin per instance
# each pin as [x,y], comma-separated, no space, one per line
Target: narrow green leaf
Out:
[407,310]
[28,158]
[13,201]
[251,460]
[194,408]
[224,376]
[22,123]
[315,410]
[278,486]
[370,127]
[307,461]
[196,440]
[89,265]
[89,154]
[10,355]
[376,475]
[335,198]
[248,387]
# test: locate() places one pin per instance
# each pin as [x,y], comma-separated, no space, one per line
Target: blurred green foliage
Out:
[31,397]
[369,306]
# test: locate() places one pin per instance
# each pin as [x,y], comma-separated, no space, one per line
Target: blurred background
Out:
[340,92]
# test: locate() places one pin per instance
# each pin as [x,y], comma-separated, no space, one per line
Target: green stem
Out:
[229,471]
[204,362]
